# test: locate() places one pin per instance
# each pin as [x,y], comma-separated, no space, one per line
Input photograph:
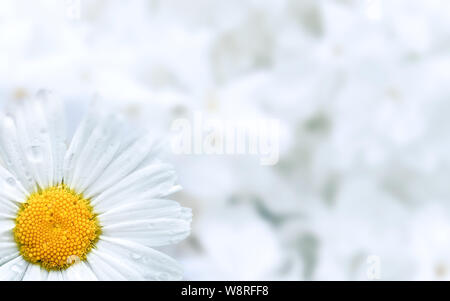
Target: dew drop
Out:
[73,259]
[35,154]
[69,161]
[11,182]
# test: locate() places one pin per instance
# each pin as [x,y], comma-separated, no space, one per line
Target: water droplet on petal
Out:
[69,159]
[35,154]
[11,182]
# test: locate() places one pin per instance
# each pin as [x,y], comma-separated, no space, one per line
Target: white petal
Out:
[126,162]
[120,266]
[79,272]
[150,182]
[8,209]
[32,142]
[149,263]
[12,153]
[6,228]
[8,254]
[55,276]
[35,141]
[99,139]
[54,113]
[35,273]
[98,151]
[77,144]
[8,247]
[102,270]
[153,232]
[11,195]
[10,262]
[145,209]
[11,188]
[153,222]
[13,270]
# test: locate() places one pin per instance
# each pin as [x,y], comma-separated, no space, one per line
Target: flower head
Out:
[90,210]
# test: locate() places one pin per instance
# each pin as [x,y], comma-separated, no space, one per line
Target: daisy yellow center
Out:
[55,228]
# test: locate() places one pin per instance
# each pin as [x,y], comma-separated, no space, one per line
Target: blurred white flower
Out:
[235,244]
[430,243]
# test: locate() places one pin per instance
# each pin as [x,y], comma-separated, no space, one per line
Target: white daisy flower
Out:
[92,211]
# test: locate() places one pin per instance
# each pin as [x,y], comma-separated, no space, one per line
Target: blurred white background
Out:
[361,89]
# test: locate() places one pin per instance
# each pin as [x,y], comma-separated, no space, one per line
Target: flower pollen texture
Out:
[55,228]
